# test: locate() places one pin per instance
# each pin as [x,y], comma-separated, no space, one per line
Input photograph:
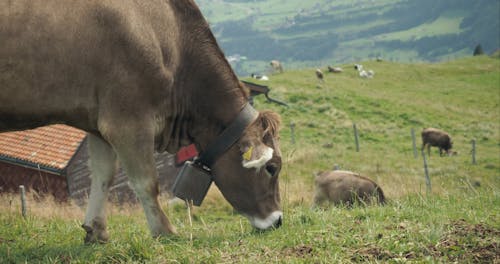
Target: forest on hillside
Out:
[341,31]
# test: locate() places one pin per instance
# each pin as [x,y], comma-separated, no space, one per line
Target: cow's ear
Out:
[256,156]
[270,123]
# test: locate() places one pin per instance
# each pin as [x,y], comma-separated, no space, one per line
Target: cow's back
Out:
[62,60]
[436,137]
[346,187]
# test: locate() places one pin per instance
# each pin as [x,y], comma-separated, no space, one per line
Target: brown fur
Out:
[277,66]
[139,76]
[270,122]
[436,138]
[344,187]
[319,74]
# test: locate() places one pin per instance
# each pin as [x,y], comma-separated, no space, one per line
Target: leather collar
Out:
[227,138]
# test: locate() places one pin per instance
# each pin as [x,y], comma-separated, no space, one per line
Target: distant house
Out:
[54,160]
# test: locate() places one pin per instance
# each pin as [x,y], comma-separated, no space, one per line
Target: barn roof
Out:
[50,147]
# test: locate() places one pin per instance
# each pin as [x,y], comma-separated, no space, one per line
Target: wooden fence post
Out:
[473,151]
[426,170]
[415,153]
[356,138]
[23,200]
[292,132]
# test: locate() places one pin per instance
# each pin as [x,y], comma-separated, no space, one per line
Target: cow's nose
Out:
[278,222]
[274,220]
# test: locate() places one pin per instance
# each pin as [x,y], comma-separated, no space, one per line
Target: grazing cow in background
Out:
[363,73]
[335,69]
[139,76]
[319,75]
[277,66]
[437,138]
[366,74]
[345,187]
[259,77]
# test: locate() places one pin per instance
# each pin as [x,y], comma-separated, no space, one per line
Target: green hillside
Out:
[306,33]
[461,97]
[458,221]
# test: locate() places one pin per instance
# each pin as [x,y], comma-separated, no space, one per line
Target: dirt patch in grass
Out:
[477,243]
[300,251]
[371,252]
[461,243]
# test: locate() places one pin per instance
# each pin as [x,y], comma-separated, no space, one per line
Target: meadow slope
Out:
[458,220]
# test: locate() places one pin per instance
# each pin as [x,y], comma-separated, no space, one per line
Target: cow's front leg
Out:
[103,167]
[136,154]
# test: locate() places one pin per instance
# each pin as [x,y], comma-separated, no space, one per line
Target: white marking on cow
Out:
[259,163]
[344,171]
[266,223]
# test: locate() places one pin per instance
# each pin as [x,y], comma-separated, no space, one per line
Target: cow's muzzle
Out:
[274,220]
[279,222]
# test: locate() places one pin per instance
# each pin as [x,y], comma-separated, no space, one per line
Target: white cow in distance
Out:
[364,73]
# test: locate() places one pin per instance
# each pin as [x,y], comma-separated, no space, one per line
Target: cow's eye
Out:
[272,169]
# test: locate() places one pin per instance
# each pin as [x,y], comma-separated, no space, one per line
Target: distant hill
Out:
[307,33]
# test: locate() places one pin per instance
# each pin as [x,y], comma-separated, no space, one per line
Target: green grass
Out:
[413,228]
[458,221]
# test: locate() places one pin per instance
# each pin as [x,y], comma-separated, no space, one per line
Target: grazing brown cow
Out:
[437,138]
[277,66]
[139,76]
[345,187]
[319,75]
[335,69]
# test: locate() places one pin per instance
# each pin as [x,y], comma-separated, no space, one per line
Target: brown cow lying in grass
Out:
[345,187]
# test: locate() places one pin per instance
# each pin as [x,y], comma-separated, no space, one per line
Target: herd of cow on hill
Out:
[129,73]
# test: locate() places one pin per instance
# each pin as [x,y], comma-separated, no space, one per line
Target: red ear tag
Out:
[186,153]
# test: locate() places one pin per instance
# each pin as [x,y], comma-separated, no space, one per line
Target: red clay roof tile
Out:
[51,146]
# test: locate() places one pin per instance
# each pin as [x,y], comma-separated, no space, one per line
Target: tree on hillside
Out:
[478,50]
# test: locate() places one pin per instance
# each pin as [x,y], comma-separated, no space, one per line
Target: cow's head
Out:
[447,147]
[247,174]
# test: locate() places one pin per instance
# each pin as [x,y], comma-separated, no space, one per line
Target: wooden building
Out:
[54,160]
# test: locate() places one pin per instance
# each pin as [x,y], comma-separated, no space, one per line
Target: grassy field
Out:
[457,221]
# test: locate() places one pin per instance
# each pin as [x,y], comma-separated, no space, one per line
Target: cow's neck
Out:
[216,103]
[208,96]
[202,110]
[200,116]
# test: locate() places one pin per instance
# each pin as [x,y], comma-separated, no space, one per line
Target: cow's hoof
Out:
[168,233]
[95,234]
